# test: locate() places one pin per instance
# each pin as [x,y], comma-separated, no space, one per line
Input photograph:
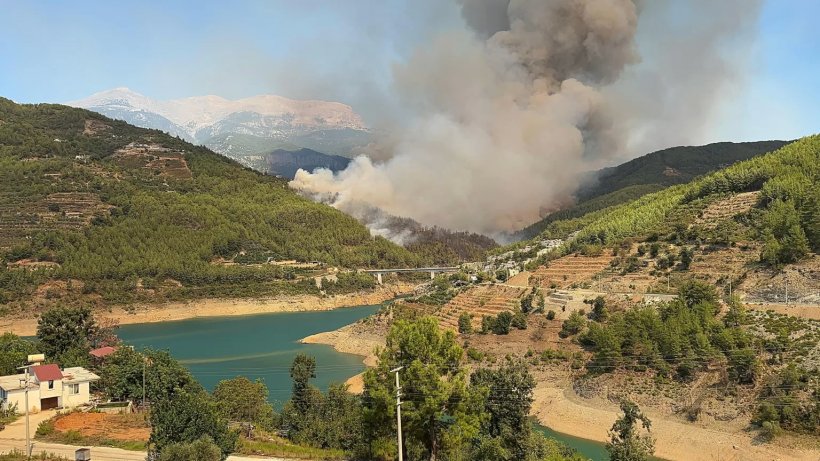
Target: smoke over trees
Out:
[508,113]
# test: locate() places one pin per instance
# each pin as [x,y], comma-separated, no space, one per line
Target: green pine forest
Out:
[786,218]
[651,173]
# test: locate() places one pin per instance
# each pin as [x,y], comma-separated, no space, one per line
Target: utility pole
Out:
[26,383]
[398,409]
[787,291]
[143,383]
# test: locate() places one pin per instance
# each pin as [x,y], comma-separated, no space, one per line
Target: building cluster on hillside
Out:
[514,261]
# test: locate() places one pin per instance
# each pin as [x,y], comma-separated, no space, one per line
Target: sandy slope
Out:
[564,412]
[348,341]
[223,308]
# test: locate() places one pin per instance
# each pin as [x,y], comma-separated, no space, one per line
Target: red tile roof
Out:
[102,352]
[50,372]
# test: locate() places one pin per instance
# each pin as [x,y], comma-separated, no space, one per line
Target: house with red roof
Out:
[102,352]
[48,387]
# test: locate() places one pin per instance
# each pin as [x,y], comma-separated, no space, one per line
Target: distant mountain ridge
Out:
[674,165]
[266,122]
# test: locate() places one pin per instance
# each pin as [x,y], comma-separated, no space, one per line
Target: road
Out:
[97,453]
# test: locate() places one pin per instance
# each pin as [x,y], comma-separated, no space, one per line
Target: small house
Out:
[48,387]
[102,352]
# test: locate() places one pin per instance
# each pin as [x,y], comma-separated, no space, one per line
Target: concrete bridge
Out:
[432,270]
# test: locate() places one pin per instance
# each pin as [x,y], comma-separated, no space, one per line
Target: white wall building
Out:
[49,387]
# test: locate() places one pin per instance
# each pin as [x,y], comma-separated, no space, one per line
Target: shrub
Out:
[475,354]
[599,312]
[45,428]
[487,324]
[502,323]
[465,323]
[769,429]
[201,450]
[551,315]
[686,258]
[573,325]
[519,321]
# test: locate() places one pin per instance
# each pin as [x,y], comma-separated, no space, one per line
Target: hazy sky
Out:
[53,51]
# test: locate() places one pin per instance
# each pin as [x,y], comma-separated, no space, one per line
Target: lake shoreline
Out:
[347,341]
[564,412]
[174,311]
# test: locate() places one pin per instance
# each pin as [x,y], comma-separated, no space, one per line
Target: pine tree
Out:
[794,245]
[626,444]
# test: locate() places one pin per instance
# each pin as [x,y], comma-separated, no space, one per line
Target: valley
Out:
[152,233]
[458,230]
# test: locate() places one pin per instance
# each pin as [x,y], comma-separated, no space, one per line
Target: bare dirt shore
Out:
[350,341]
[223,308]
[563,411]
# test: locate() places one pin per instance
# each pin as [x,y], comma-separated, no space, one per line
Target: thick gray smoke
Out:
[696,56]
[506,117]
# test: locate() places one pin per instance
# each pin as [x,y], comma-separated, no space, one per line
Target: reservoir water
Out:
[256,346]
[263,346]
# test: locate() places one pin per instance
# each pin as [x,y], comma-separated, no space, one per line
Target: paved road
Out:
[17,429]
[97,453]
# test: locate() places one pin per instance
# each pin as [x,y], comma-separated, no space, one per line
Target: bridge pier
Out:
[379,277]
[432,275]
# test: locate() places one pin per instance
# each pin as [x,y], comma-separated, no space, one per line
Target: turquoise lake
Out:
[263,346]
[256,346]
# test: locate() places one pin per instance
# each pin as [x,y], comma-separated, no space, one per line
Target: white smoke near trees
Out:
[505,118]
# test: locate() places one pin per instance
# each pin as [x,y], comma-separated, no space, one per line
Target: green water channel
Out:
[263,346]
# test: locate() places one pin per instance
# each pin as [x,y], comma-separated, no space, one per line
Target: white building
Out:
[49,387]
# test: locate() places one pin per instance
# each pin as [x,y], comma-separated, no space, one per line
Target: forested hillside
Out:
[651,173]
[786,217]
[113,208]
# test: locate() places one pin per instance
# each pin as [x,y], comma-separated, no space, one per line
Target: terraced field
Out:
[727,208]
[155,159]
[479,301]
[20,217]
[732,261]
[568,270]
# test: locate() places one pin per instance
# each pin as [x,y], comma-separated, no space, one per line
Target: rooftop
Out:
[102,352]
[78,375]
[50,372]
[14,382]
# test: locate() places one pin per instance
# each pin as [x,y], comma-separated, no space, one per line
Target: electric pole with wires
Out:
[398,410]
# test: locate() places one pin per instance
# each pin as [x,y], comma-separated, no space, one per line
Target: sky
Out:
[55,51]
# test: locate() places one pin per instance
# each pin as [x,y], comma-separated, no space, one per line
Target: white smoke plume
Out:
[505,118]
